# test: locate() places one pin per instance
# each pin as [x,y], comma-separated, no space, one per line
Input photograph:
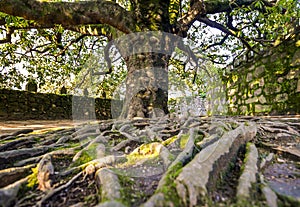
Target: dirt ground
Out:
[7,127]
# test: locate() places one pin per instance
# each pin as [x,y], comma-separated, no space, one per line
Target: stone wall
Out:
[24,105]
[267,85]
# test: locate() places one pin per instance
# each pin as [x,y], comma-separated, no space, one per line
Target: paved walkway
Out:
[7,127]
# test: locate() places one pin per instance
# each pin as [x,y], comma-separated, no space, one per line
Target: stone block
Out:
[265,60]
[249,77]
[261,82]
[243,109]
[292,74]
[254,84]
[274,57]
[281,97]
[251,100]
[259,70]
[280,79]
[291,86]
[262,99]
[251,68]
[262,108]
[272,88]
[233,99]
[233,110]
[231,92]
[296,59]
[257,92]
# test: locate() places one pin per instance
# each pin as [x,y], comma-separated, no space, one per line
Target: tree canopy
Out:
[53,39]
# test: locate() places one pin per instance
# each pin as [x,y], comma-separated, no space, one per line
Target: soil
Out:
[8,127]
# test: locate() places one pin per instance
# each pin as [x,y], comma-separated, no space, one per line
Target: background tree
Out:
[53,40]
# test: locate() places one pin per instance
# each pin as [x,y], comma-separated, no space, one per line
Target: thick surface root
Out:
[198,161]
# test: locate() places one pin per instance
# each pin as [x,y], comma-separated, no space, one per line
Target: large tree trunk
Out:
[146,85]
[146,56]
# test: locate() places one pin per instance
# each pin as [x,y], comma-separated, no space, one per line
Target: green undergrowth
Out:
[87,155]
[31,183]
[144,151]
[246,150]
[169,140]
[32,178]
[183,140]
[169,188]
[287,201]
[129,195]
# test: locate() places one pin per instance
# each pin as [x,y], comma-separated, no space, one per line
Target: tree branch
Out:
[216,25]
[7,39]
[217,43]
[108,61]
[203,7]
[48,47]
[229,22]
[94,30]
[64,49]
[222,28]
[71,13]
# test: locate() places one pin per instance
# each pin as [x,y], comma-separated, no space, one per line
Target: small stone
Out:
[243,109]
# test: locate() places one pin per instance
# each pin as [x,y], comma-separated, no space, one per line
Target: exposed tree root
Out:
[152,162]
[60,188]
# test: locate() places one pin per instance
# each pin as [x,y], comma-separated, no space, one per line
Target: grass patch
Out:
[32,178]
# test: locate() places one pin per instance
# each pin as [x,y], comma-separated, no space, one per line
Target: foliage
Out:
[55,55]
[32,178]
